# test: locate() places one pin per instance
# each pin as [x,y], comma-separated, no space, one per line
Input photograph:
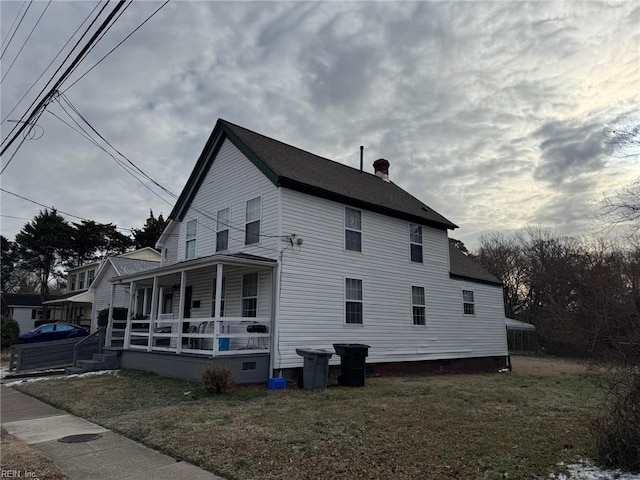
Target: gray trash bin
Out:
[316,368]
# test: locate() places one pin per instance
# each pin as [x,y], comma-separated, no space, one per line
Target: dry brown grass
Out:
[20,458]
[509,425]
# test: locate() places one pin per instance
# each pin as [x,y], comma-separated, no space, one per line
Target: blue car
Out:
[52,331]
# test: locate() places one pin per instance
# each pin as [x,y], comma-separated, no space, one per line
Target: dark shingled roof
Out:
[27,299]
[463,266]
[290,167]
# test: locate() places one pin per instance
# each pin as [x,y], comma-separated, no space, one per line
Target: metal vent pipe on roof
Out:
[361,157]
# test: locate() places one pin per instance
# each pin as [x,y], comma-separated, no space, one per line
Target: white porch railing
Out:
[206,336]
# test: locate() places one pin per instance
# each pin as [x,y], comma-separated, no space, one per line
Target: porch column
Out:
[183,288]
[144,300]
[154,313]
[217,308]
[110,318]
[132,299]
[276,276]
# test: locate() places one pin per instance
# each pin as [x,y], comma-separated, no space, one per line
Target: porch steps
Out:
[107,360]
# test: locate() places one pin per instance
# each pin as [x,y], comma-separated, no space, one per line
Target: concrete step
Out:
[89,365]
[73,370]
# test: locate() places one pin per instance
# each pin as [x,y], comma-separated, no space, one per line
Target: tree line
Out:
[582,295]
[47,245]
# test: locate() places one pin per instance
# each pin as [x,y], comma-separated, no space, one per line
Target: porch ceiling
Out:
[237,259]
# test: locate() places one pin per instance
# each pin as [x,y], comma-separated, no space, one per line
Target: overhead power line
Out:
[14,32]
[25,42]
[47,98]
[50,63]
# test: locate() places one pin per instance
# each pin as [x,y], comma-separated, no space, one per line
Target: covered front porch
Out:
[214,306]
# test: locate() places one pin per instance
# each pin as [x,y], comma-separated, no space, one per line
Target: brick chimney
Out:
[381,168]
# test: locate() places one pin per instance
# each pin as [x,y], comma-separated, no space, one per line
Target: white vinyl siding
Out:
[232,180]
[352,229]
[312,297]
[190,240]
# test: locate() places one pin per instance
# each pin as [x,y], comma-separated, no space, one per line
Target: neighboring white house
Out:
[78,305]
[270,248]
[27,310]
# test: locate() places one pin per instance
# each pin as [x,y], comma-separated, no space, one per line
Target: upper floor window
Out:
[353,300]
[222,230]
[91,274]
[165,253]
[81,280]
[72,282]
[415,242]
[352,229]
[190,245]
[250,295]
[418,305]
[252,221]
[468,304]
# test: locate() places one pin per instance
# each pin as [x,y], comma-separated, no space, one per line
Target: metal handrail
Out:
[100,334]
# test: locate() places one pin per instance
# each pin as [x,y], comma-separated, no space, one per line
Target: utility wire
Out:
[51,63]
[49,95]
[86,32]
[25,42]
[123,40]
[53,208]
[14,32]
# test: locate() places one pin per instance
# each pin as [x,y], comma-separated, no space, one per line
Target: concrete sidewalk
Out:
[105,456]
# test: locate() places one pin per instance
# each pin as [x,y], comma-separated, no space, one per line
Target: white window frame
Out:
[81,276]
[91,276]
[352,229]
[465,302]
[222,300]
[190,239]
[72,282]
[422,305]
[248,221]
[353,300]
[412,242]
[225,228]
[256,296]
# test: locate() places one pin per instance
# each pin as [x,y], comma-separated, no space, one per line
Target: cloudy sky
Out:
[492,113]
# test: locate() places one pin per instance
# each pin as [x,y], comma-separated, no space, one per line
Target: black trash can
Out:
[316,368]
[352,363]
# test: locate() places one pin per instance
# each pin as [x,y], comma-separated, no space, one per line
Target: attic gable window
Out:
[222,230]
[415,242]
[190,243]
[252,221]
[352,229]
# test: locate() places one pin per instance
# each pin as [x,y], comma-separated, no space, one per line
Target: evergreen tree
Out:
[149,234]
[7,265]
[44,244]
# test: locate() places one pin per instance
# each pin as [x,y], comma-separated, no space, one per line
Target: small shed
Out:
[521,336]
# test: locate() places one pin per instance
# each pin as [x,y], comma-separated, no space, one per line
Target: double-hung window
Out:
[353,301]
[81,280]
[418,305]
[468,304]
[415,242]
[222,298]
[91,274]
[252,221]
[222,230]
[250,295]
[352,229]
[190,243]
[72,282]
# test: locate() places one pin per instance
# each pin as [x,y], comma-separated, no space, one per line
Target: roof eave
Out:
[456,276]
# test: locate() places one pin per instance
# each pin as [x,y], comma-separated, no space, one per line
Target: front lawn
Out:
[484,426]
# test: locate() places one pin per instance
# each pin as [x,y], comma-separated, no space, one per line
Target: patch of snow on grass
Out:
[78,375]
[586,470]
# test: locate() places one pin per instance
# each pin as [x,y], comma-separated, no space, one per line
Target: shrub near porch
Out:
[510,425]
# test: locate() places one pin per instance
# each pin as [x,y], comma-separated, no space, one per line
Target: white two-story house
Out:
[270,248]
